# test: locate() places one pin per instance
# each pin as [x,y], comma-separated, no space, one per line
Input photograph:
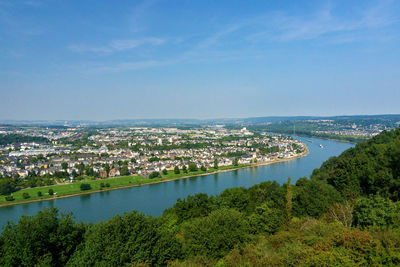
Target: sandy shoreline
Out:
[305,153]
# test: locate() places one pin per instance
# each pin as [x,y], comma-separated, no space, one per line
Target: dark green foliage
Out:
[44,239]
[176,170]
[313,198]
[199,205]
[107,185]
[124,170]
[372,167]
[51,192]
[18,138]
[10,198]
[193,167]
[215,235]
[234,198]
[154,175]
[375,211]
[203,168]
[184,169]
[25,195]
[6,186]
[39,193]
[64,165]
[164,171]
[215,163]
[84,187]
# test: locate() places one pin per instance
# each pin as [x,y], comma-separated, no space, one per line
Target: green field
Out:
[124,181]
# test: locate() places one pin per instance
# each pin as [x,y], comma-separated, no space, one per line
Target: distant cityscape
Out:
[75,153]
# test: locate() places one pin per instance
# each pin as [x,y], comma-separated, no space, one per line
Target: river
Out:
[155,198]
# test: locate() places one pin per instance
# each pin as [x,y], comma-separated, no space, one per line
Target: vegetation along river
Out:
[153,199]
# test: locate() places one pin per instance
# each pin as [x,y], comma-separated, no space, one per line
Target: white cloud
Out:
[117,45]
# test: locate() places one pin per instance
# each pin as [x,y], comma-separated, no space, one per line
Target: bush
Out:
[9,198]
[25,195]
[51,192]
[85,187]
[39,193]
[102,185]
[107,185]
[203,168]
[165,172]
[154,175]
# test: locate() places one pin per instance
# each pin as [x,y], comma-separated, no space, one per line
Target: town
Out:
[37,156]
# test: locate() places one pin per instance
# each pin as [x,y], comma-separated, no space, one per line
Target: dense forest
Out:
[19,138]
[346,214]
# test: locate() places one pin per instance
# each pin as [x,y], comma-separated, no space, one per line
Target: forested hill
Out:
[347,214]
[371,167]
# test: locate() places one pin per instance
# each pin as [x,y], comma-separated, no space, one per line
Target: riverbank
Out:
[71,190]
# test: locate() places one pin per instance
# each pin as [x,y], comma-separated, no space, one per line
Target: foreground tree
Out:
[42,240]
[215,235]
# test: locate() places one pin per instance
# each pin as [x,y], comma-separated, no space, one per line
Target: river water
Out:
[155,198]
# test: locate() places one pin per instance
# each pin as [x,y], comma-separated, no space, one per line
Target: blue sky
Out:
[102,60]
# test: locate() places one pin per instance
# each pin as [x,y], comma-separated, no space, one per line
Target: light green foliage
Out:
[125,239]
[375,211]
[266,219]
[40,240]
[215,235]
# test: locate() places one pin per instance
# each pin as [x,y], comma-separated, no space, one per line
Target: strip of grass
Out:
[72,189]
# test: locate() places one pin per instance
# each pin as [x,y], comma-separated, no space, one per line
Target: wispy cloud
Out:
[282,27]
[117,45]
[247,37]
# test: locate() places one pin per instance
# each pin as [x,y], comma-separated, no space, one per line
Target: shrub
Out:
[25,195]
[107,185]
[165,172]
[154,175]
[85,187]
[176,170]
[9,198]
[39,193]
[51,192]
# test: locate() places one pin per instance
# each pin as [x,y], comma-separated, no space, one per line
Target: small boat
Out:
[309,141]
[321,146]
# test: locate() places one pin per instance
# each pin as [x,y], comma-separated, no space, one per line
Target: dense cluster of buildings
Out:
[110,152]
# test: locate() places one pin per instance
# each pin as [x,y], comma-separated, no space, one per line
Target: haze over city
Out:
[75,60]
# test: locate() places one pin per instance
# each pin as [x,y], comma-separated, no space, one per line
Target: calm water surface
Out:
[154,199]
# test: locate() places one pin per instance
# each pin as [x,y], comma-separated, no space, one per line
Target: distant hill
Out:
[195,122]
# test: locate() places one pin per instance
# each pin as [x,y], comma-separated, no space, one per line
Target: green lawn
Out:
[71,189]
